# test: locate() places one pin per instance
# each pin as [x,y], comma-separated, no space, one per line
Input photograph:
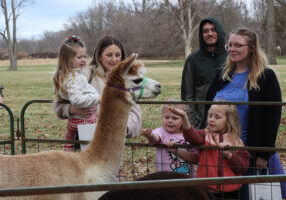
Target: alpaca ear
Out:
[129,62]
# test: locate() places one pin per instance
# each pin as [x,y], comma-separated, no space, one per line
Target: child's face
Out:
[79,61]
[171,122]
[217,118]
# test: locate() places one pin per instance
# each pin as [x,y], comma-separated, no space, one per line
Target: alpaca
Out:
[174,193]
[100,161]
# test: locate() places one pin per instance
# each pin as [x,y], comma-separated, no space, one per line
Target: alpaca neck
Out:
[108,142]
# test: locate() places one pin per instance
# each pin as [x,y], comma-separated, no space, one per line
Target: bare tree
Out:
[189,13]
[9,33]
[270,27]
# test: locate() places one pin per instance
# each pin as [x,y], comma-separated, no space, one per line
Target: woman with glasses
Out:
[247,78]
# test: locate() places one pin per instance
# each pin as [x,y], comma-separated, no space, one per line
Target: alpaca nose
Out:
[158,89]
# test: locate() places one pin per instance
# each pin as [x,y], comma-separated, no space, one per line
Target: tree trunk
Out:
[11,40]
[187,27]
[270,17]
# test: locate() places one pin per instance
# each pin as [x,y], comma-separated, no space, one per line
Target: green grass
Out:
[281,60]
[35,82]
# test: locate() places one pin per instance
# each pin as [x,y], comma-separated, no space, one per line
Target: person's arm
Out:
[194,136]
[80,93]
[134,122]
[272,116]
[151,137]
[190,134]
[62,110]
[66,110]
[189,156]
[239,162]
[188,90]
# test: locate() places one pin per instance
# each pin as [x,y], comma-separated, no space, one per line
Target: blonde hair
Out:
[232,122]
[65,63]
[257,58]
[183,107]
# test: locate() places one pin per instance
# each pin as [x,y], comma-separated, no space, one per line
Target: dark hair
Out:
[102,44]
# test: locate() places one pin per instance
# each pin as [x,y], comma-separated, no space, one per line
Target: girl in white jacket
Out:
[71,86]
[108,52]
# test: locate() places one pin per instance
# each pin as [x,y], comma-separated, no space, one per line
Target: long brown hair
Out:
[103,43]
[257,58]
[65,63]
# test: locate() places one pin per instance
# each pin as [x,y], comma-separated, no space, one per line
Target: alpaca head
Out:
[128,76]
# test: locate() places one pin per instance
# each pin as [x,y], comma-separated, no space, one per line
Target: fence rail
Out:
[140,185]
[133,185]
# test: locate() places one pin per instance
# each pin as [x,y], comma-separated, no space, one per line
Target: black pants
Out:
[227,195]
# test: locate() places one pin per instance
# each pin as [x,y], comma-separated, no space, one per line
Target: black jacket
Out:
[199,70]
[263,121]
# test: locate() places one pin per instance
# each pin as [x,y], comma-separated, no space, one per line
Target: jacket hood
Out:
[220,35]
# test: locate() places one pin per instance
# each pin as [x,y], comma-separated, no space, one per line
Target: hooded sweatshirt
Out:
[199,70]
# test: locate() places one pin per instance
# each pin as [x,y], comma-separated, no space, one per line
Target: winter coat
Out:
[134,119]
[199,70]
[212,163]
[263,120]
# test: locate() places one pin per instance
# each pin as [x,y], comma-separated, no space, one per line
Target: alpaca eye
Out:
[138,80]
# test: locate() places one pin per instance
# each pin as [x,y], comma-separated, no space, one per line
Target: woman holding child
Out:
[245,78]
[108,52]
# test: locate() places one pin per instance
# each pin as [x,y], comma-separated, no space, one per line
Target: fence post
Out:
[12,142]
[22,119]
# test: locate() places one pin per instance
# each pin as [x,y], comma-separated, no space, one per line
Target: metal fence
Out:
[132,166]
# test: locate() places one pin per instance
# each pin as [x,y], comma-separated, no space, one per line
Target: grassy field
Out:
[33,81]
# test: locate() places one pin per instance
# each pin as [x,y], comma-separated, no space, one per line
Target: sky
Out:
[39,16]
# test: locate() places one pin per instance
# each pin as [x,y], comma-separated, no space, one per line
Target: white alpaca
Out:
[100,162]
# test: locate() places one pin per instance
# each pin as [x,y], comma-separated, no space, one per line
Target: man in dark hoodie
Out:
[201,66]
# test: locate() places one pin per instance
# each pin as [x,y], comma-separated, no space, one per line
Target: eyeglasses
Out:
[235,45]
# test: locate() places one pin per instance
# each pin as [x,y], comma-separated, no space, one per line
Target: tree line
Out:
[165,29]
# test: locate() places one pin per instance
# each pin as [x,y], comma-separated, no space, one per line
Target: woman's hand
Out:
[261,163]
[77,111]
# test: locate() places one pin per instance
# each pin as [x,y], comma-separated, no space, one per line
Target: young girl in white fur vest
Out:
[71,86]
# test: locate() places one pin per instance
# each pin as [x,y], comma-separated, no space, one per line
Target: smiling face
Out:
[171,122]
[209,34]
[217,120]
[79,60]
[110,57]
[238,49]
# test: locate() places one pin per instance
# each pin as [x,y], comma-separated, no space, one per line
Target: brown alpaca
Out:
[173,193]
[100,162]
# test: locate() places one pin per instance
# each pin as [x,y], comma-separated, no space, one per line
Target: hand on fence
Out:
[261,163]
[171,147]
[226,153]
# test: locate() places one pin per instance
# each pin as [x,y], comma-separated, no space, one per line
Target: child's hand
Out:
[147,132]
[226,153]
[170,144]
[170,147]
[183,114]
